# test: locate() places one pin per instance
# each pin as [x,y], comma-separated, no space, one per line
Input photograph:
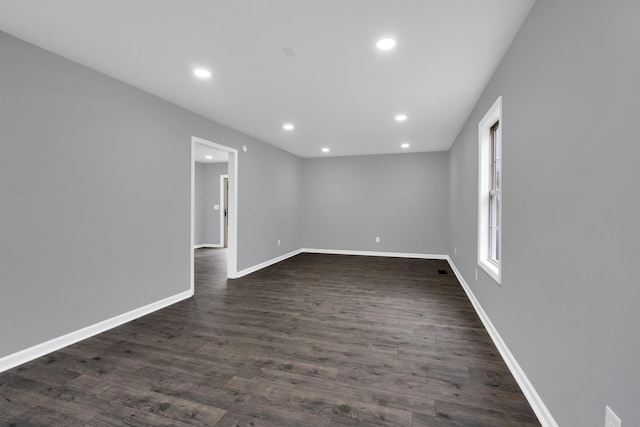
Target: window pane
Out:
[498,137]
[494,227]
[496,154]
[498,187]
[493,210]
[493,244]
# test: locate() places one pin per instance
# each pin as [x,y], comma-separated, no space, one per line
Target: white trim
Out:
[267,263]
[371,253]
[222,177]
[484,154]
[39,350]
[192,225]
[207,245]
[232,251]
[232,215]
[534,399]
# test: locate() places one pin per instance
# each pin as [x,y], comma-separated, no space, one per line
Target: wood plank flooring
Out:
[316,340]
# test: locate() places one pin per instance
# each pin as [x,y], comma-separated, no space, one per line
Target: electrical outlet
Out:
[377,239]
[278,242]
[455,251]
[476,274]
[611,419]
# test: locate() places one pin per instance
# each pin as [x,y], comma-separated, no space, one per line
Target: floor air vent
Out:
[442,271]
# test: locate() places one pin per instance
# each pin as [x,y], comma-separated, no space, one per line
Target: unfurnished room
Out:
[416,213]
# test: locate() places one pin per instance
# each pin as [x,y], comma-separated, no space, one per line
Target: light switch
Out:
[216,207]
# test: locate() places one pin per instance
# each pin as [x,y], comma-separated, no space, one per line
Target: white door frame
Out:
[232,251]
[222,177]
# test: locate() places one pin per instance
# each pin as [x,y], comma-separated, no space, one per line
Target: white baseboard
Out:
[335,252]
[373,253]
[266,264]
[39,350]
[534,399]
[207,245]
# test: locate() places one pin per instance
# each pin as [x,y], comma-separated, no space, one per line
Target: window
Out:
[490,192]
[494,194]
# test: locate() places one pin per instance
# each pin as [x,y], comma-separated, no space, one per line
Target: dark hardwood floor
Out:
[316,340]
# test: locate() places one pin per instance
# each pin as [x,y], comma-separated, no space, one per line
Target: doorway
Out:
[224,218]
[231,208]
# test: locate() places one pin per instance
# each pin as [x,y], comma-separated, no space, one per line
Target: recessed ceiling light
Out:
[288,126]
[405,145]
[208,157]
[325,150]
[202,73]
[401,117]
[386,44]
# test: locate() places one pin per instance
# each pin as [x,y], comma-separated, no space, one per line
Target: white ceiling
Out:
[204,154]
[338,89]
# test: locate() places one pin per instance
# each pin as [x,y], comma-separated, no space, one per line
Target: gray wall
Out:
[95,189]
[567,307]
[273,212]
[207,195]
[403,198]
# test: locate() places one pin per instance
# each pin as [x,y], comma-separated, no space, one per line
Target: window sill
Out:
[491,269]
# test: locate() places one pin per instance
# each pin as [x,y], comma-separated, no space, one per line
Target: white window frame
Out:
[490,266]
